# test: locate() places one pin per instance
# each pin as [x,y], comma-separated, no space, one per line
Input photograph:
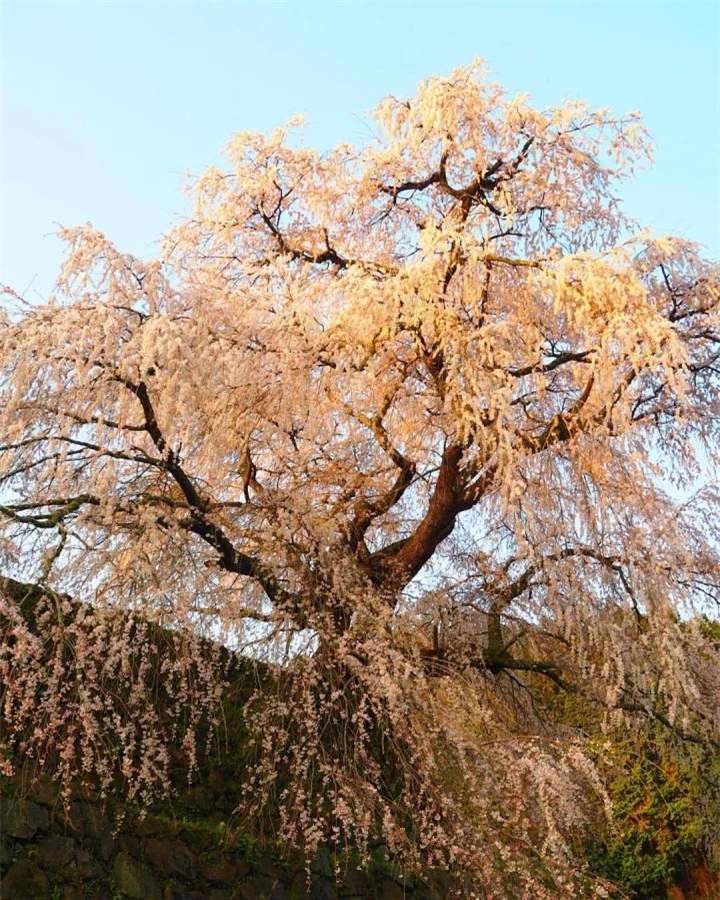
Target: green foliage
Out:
[247,847]
[666,797]
[115,892]
[711,630]
[665,794]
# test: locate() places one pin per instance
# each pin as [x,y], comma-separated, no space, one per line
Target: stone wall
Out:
[189,852]
[190,846]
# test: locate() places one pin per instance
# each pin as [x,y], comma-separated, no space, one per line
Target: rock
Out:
[267,865]
[171,858]
[322,863]
[243,868]
[98,892]
[73,892]
[23,818]
[131,845]
[391,890]
[443,885]
[261,887]
[55,852]
[151,826]
[25,880]
[100,834]
[320,888]
[88,820]
[398,874]
[426,893]
[45,791]
[279,892]
[88,867]
[135,879]
[77,818]
[94,828]
[223,871]
[323,889]
[7,848]
[84,794]
[354,883]
[178,892]
[299,887]
[216,781]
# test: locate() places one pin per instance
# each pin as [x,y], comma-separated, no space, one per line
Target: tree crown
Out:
[429,402]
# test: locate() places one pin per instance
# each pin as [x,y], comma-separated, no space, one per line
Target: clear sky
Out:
[107,104]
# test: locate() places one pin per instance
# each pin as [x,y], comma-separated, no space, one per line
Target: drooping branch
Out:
[229,557]
[439,663]
[198,521]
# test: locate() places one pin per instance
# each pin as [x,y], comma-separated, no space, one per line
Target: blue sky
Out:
[107,104]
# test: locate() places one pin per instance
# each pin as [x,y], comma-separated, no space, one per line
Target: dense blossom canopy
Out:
[429,424]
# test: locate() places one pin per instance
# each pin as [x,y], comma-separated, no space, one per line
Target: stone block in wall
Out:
[319,887]
[93,828]
[7,848]
[150,826]
[55,852]
[391,890]
[355,883]
[171,858]
[74,892]
[178,892]
[262,887]
[25,880]
[22,818]
[131,844]
[88,867]
[135,879]
[224,871]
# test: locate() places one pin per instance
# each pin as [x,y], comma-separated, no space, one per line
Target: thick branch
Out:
[437,524]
